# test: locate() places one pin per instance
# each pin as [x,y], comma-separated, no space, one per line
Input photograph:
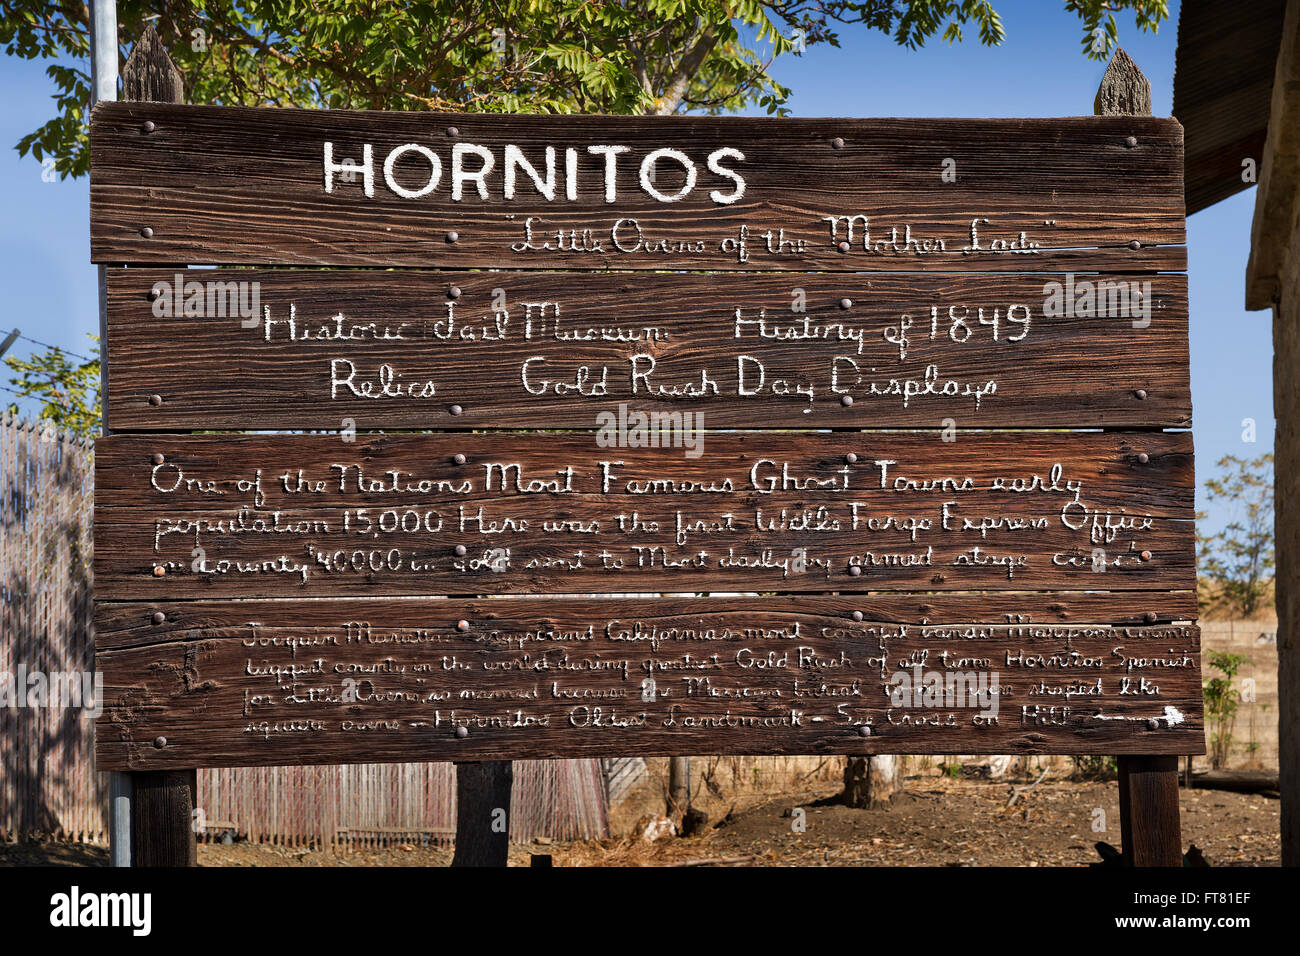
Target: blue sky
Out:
[1039,70]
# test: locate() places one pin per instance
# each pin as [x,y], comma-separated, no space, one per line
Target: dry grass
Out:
[1209,601]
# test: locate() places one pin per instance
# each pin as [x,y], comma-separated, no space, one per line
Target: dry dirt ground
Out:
[937,822]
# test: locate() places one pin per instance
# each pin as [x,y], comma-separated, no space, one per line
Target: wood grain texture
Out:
[385,514]
[482,796]
[309,349]
[227,185]
[264,682]
[126,624]
[161,805]
[1074,584]
[1148,810]
[149,75]
[1286,470]
[1124,90]
[162,818]
[1224,67]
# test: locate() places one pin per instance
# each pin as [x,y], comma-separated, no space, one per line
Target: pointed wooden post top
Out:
[1124,91]
[150,76]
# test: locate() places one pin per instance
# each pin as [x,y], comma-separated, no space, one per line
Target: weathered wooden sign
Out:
[474,350]
[176,184]
[896,301]
[315,515]
[369,680]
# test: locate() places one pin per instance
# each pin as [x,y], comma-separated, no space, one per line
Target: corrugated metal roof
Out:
[1223,84]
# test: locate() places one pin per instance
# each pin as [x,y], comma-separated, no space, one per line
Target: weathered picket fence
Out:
[48,783]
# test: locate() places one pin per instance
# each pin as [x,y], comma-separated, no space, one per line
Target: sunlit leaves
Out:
[540,56]
[1238,560]
[67,389]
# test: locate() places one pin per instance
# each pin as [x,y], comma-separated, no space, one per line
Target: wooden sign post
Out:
[909,393]
[1148,786]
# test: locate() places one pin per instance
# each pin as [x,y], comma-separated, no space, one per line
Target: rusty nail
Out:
[155,400]
[1146,555]
[844,246]
[864,731]
[837,143]
[856,615]
[851,458]
[160,742]
[1135,245]
[453,236]
[846,304]
[1149,617]
[460,550]
[1153,724]
[155,295]
[157,459]
[159,571]
[1130,141]
[454,292]
[147,127]
[462,732]
[846,400]
[159,617]
[455,409]
[452,131]
[1140,394]
[1143,458]
[458,459]
[462,625]
[147,232]
[854,571]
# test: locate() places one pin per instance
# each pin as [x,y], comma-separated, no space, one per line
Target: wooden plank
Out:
[316,349]
[281,515]
[227,185]
[162,818]
[334,681]
[126,624]
[149,74]
[482,813]
[1148,810]
[159,807]
[1224,64]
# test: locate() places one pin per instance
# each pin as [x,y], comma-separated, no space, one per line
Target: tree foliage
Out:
[67,389]
[1221,703]
[1239,559]
[534,56]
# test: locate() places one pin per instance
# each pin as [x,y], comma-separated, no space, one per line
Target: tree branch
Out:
[681,77]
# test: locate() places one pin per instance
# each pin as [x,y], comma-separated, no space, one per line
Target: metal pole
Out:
[103,66]
[103,51]
[119,818]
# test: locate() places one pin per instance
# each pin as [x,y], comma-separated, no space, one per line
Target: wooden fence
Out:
[380,804]
[48,785]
